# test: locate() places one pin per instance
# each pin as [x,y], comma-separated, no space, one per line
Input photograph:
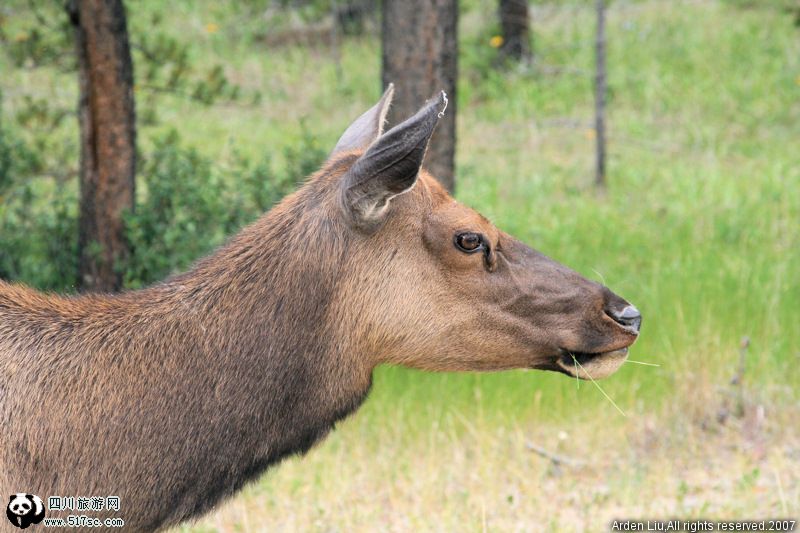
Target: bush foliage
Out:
[186,205]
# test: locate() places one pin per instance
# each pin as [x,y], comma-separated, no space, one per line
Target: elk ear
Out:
[366,128]
[390,166]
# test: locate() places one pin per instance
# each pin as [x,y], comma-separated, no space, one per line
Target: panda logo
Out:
[25,509]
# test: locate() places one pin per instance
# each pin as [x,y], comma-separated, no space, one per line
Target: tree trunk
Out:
[515,27]
[420,54]
[108,139]
[350,15]
[600,95]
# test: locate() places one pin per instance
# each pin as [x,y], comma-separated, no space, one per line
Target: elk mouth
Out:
[591,365]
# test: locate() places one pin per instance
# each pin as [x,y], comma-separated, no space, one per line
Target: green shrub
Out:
[38,230]
[186,205]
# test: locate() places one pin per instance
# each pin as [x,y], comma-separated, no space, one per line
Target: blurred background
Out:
[651,145]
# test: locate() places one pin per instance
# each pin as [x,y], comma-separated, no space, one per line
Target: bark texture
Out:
[107,117]
[420,52]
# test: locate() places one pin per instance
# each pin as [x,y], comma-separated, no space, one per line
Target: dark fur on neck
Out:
[175,396]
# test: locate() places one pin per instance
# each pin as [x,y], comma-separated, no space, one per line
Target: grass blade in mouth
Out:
[641,363]
[599,387]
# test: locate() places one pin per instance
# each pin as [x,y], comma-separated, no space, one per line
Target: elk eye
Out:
[469,242]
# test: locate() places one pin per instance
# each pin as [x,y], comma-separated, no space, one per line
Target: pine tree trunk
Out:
[420,54]
[515,26]
[107,119]
[600,95]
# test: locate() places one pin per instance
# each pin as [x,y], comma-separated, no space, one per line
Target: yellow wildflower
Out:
[21,37]
[212,28]
[589,133]
[496,41]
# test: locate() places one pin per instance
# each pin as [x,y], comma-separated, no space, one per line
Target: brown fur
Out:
[174,396]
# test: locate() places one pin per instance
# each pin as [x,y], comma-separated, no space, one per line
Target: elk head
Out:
[437,286]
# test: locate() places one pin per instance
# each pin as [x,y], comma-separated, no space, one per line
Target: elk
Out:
[174,396]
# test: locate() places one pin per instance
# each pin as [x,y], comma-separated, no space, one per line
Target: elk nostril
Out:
[629,313]
[628,317]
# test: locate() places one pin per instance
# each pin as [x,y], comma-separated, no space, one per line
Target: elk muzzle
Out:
[602,364]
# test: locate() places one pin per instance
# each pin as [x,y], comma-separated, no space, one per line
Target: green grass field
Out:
[699,227]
